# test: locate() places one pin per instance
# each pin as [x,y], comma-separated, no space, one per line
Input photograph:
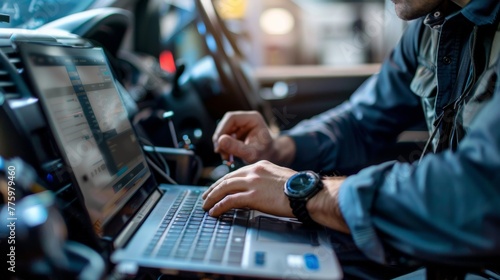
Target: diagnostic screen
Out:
[90,124]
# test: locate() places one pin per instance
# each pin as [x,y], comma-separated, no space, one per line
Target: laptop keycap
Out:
[187,232]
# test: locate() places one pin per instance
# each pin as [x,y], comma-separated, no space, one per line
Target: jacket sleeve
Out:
[444,209]
[346,137]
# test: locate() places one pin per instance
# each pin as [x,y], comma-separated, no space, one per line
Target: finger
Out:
[226,187]
[248,152]
[232,122]
[209,190]
[230,145]
[222,144]
[234,174]
[237,200]
[209,198]
[224,156]
[225,126]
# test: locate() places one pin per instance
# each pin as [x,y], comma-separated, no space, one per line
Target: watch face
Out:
[301,184]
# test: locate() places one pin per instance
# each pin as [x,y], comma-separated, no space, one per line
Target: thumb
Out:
[229,145]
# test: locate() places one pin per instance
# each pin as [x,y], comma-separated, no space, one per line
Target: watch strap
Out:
[299,208]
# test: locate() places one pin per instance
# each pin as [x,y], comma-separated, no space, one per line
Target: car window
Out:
[180,34]
[31,14]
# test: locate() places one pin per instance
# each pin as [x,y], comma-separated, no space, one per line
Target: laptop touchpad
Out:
[277,230]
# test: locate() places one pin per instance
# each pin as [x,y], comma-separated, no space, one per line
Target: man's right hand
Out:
[246,135]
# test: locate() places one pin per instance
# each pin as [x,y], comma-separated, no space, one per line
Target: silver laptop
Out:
[156,226]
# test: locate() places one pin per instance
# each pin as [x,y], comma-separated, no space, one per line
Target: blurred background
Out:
[288,59]
[294,32]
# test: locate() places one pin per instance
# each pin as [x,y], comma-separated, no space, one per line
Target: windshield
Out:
[31,14]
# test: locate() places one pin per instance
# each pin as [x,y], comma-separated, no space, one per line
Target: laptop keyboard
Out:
[187,232]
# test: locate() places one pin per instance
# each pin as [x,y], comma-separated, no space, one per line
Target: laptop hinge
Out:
[136,221]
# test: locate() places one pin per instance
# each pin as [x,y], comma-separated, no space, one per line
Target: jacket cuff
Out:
[356,197]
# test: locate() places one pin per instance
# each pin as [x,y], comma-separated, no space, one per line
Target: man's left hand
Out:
[258,186]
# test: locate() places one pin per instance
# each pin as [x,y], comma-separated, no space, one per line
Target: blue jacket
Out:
[447,207]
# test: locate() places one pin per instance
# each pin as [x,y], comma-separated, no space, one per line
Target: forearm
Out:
[284,151]
[349,136]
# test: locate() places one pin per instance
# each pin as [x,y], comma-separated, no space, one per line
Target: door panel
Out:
[299,92]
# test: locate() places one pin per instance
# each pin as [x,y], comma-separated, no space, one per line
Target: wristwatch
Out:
[299,189]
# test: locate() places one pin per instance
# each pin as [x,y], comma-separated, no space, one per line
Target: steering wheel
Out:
[240,89]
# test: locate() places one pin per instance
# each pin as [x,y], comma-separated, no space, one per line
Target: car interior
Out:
[179,66]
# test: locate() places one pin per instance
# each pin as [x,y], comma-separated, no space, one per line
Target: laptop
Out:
[152,225]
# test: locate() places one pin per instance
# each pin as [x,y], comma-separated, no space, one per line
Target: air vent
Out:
[7,84]
[14,59]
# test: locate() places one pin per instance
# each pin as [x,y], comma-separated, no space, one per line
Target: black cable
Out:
[157,154]
[469,88]
[457,101]
[163,174]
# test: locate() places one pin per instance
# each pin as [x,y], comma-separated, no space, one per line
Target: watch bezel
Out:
[291,193]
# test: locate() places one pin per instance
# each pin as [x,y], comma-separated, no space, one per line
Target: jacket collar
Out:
[478,12]
[482,12]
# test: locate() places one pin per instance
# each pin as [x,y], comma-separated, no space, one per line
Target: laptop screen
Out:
[89,123]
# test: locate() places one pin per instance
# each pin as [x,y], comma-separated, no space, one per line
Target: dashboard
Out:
[21,113]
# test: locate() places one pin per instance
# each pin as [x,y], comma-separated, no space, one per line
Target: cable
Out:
[431,138]
[470,86]
[164,173]
[160,158]
[158,169]
[456,103]
[199,167]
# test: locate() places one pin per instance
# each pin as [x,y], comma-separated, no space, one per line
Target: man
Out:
[444,209]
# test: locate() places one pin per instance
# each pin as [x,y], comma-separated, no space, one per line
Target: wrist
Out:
[299,188]
[324,207]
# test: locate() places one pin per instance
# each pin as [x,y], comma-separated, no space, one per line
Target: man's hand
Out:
[258,186]
[252,139]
